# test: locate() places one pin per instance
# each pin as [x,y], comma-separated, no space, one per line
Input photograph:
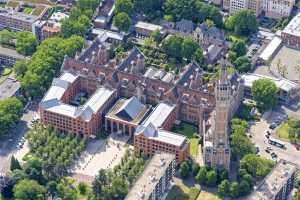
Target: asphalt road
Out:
[8,145]
[258,132]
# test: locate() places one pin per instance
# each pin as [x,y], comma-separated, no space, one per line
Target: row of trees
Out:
[10,113]
[114,184]
[24,42]
[36,74]
[51,154]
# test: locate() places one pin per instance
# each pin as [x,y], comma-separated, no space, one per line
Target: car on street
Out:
[257,150]
[273,126]
[267,150]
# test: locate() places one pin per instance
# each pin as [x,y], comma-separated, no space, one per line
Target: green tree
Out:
[29,190]
[244,188]
[184,169]
[223,188]
[125,6]
[239,47]
[240,143]
[75,26]
[122,21]
[188,47]
[14,164]
[6,37]
[243,23]
[180,9]
[87,4]
[211,178]
[243,64]
[156,35]
[20,68]
[172,46]
[234,190]
[26,43]
[256,166]
[10,113]
[201,176]
[119,188]
[198,56]
[264,92]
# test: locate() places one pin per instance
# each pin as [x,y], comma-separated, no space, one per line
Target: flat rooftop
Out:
[159,115]
[18,15]
[10,52]
[274,181]
[282,83]
[293,27]
[148,26]
[147,181]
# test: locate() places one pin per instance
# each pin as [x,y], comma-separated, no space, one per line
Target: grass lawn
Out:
[28,10]
[185,129]
[208,196]
[234,37]
[182,192]
[283,131]
[194,146]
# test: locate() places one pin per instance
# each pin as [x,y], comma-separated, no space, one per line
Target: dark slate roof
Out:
[185,26]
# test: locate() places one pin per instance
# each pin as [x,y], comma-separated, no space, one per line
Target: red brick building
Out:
[86,119]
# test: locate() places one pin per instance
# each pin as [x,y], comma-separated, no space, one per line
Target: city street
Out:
[9,144]
[258,132]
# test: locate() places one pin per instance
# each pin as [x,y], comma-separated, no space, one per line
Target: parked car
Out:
[273,155]
[267,150]
[273,125]
[257,150]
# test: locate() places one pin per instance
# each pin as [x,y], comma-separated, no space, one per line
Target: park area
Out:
[191,132]
[289,130]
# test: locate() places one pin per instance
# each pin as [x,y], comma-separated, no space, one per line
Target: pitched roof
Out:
[130,109]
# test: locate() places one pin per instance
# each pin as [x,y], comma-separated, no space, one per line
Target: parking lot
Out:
[101,154]
[258,133]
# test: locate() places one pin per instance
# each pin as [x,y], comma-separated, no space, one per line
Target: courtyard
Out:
[101,154]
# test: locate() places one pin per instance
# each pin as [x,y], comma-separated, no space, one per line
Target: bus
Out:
[277,143]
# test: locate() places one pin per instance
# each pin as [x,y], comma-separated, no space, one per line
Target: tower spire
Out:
[223,75]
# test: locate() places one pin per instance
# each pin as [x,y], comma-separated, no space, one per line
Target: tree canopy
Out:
[29,190]
[46,62]
[77,24]
[26,43]
[256,166]
[243,64]
[125,6]
[243,23]
[122,21]
[10,113]
[264,92]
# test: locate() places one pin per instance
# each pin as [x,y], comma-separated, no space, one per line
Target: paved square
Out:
[101,154]
[289,57]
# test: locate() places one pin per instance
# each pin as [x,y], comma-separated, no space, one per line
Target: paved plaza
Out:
[287,56]
[101,154]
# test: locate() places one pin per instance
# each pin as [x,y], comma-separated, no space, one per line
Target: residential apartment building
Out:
[16,21]
[291,33]
[278,183]
[277,8]
[271,8]
[156,179]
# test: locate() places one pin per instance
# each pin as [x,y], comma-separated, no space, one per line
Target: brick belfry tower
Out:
[216,143]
